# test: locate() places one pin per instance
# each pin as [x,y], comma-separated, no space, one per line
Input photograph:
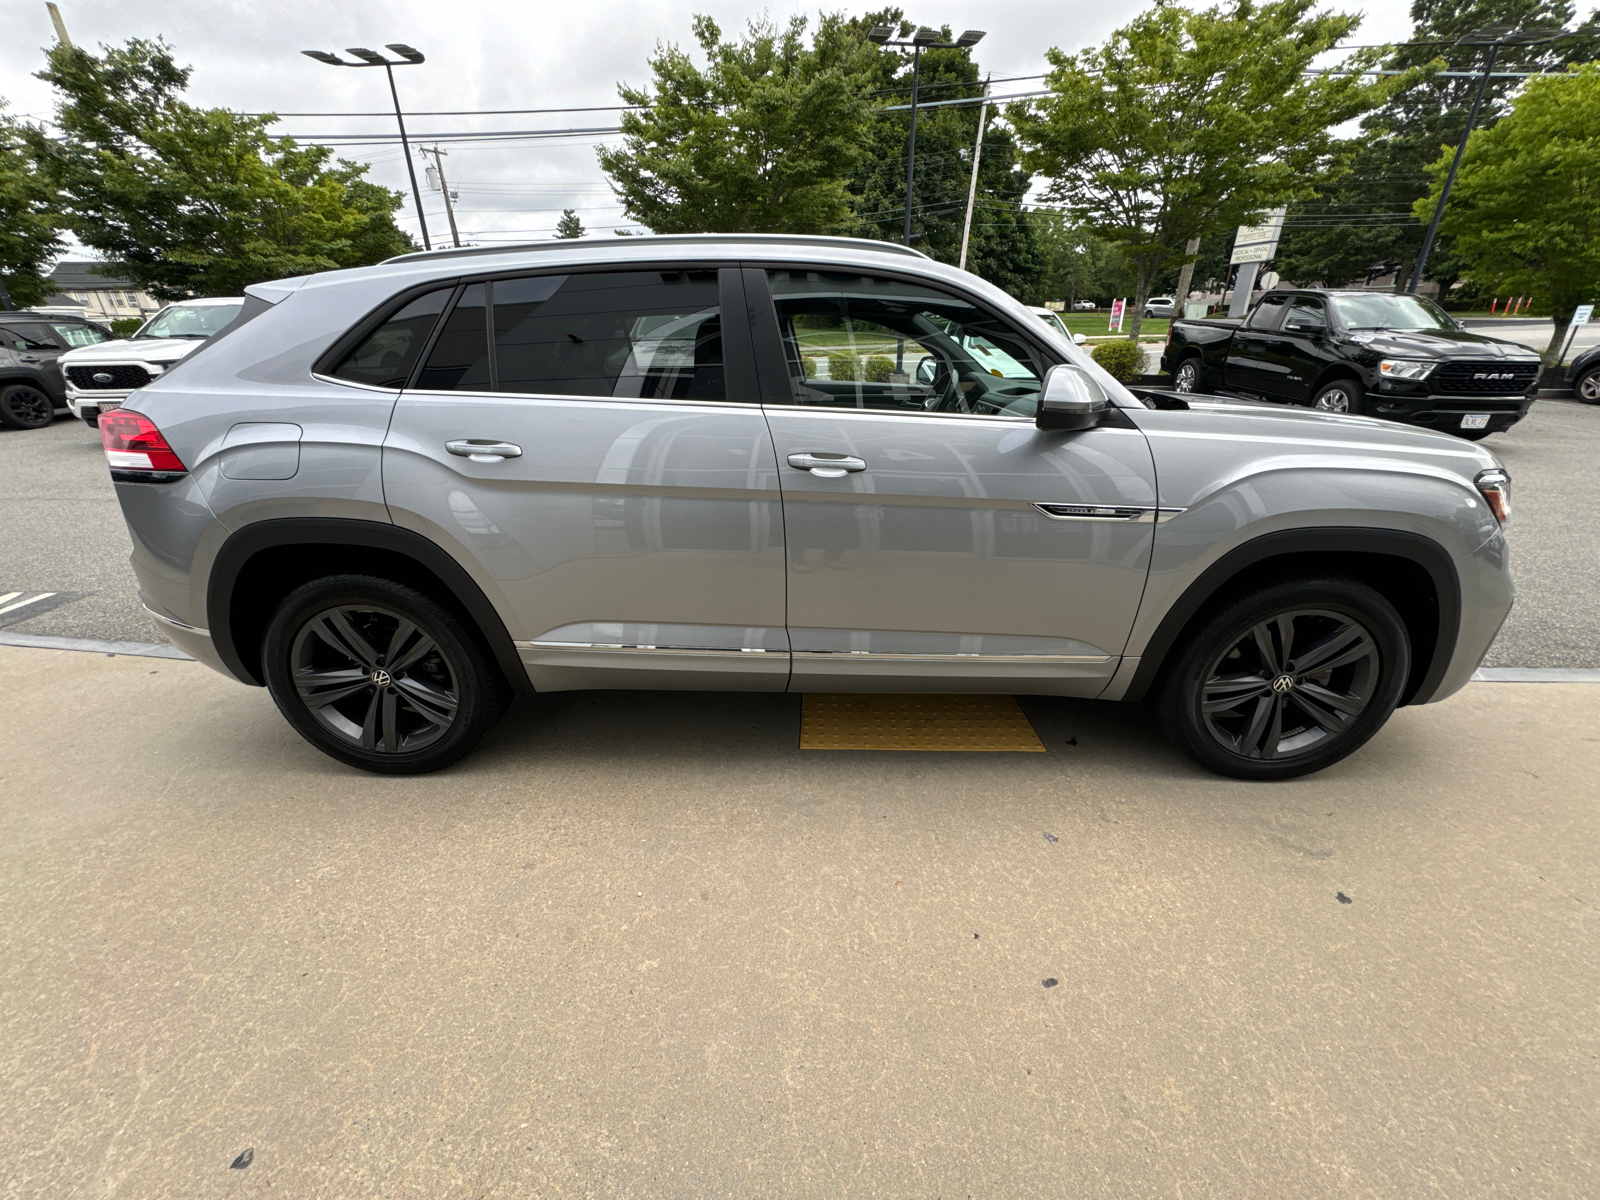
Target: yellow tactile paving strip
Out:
[914,722]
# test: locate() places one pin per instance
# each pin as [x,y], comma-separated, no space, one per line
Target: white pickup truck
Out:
[100,377]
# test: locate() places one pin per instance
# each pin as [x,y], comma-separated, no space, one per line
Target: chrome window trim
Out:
[351,383]
[829,410]
[736,405]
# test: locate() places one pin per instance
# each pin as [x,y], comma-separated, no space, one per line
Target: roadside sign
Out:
[1268,280]
[1117,307]
[1258,243]
[1583,314]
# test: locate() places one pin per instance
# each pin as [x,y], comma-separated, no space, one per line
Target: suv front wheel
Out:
[1287,679]
[379,676]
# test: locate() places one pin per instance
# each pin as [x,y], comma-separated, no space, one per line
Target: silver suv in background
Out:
[396,495]
[100,377]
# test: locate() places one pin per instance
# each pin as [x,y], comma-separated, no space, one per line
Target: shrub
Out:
[126,326]
[1122,359]
[878,369]
[843,364]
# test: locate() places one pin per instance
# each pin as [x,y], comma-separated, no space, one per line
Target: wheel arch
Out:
[1413,572]
[1338,370]
[263,562]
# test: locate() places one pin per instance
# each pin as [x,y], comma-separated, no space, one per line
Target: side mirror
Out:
[1070,400]
[1078,339]
[925,371]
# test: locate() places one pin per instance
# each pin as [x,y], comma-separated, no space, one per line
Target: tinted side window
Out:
[36,337]
[460,358]
[854,341]
[75,334]
[653,335]
[386,356]
[1305,311]
[1268,313]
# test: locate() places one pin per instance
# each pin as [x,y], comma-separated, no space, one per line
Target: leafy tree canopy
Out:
[1191,121]
[1360,225]
[569,226]
[189,201]
[1525,212]
[28,225]
[761,140]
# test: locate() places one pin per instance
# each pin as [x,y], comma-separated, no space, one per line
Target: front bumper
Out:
[88,405]
[1444,413]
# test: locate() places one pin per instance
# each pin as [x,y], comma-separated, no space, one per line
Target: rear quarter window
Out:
[387,356]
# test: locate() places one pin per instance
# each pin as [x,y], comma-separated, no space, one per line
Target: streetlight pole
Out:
[371,58]
[923,39]
[1494,39]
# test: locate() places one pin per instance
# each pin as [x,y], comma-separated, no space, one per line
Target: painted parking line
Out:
[23,606]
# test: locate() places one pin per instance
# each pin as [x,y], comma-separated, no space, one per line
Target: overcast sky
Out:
[488,54]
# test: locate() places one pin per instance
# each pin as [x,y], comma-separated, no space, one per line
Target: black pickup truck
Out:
[1374,353]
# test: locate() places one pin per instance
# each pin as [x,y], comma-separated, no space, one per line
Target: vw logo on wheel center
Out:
[1283,683]
[381,678]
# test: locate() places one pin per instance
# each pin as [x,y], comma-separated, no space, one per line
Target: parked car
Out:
[396,495]
[32,389]
[1583,373]
[1401,358]
[1053,319]
[99,377]
[1160,306]
[1085,306]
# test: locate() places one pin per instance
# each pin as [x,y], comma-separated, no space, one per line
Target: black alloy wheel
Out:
[1287,680]
[1187,377]
[380,677]
[1340,396]
[23,406]
[1587,386]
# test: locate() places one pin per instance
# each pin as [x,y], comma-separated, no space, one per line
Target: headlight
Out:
[1404,368]
[1495,487]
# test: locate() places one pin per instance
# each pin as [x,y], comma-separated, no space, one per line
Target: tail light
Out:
[1495,487]
[135,449]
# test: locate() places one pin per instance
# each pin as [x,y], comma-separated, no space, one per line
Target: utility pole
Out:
[972,188]
[1494,38]
[923,39]
[370,58]
[61,26]
[1185,277]
[444,186]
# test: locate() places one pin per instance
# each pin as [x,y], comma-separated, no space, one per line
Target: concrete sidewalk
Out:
[642,945]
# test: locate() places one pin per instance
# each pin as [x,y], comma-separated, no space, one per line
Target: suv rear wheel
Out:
[378,676]
[23,406]
[1287,679]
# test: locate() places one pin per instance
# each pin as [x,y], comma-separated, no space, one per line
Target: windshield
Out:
[1055,322]
[191,321]
[1381,311]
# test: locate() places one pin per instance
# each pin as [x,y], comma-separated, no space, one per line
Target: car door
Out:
[590,444]
[936,538]
[38,346]
[1248,366]
[1298,351]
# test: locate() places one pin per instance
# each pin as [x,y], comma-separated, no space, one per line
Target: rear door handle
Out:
[480,450]
[827,466]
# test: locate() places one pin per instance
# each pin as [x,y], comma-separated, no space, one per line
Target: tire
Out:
[342,636]
[23,406]
[1274,729]
[1340,396]
[1586,387]
[1190,376]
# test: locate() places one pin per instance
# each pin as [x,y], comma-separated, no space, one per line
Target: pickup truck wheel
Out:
[1187,376]
[378,676]
[1287,679]
[1587,386]
[1341,396]
[26,407]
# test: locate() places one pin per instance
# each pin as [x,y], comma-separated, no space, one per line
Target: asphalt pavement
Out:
[643,945]
[63,533]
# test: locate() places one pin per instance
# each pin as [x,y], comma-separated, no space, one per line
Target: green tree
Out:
[1003,248]
[28,224]
[1360,224]
[569,226]
[1525,212]
[1076,263]
[762,140]
[1187,122]
[188,201]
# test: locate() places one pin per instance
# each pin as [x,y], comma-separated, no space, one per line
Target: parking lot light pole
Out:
[409,57]
[923,39]
[1494,38]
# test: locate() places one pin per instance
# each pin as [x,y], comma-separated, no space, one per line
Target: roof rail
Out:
[675,239]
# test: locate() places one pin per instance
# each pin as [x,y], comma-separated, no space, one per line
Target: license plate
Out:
[108,405]
[1475,421]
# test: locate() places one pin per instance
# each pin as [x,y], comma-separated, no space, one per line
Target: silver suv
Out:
[399,494]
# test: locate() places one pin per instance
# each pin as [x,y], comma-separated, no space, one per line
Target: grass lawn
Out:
[1099,325]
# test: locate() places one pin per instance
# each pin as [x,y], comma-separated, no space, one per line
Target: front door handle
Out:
[827,466]
[481,451]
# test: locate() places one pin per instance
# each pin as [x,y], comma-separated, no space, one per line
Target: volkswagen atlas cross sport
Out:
[396,495]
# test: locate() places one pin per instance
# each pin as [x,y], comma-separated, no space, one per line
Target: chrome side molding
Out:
[1128,514]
